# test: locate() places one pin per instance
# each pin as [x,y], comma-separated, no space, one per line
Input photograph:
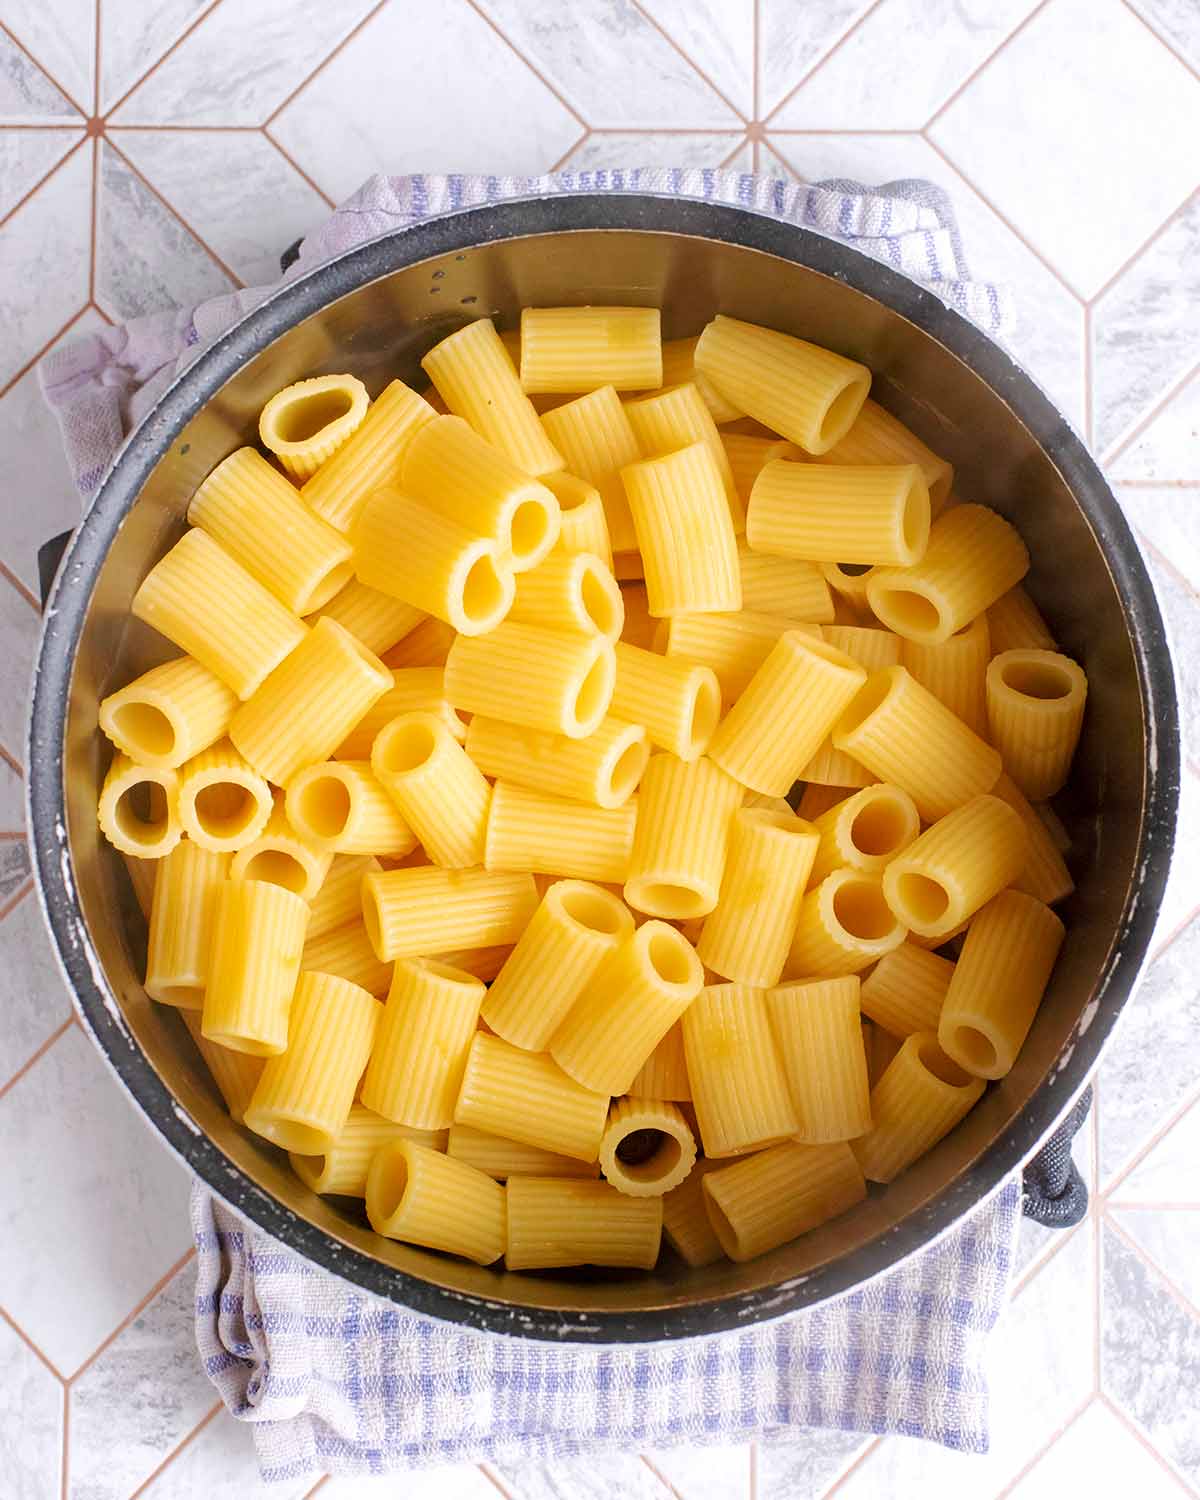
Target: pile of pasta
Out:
[462,826]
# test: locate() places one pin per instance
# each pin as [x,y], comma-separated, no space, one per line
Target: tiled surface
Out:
[152,154]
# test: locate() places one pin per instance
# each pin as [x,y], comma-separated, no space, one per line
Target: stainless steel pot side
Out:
[375,311]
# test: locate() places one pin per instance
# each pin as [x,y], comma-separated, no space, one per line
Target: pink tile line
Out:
[158,62]
[12,905]
[533,68]
[20,45]
[756,87]
[25,197]
[1188,199]
[820,62]
[853,1466]
[1147,1259]
[1164,40]
[1135,1430]
[50,342]
[175,1452]
[691,61]
[1143,1151]
[494,1479]
[324,63]
[37,1055]
[1125,443]
[986,63]
[1032,1462]
[32,1347]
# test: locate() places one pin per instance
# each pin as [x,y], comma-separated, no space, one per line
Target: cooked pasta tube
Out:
[873,650]
[998,983]
[678,702]
[168,714]
[282,856]
[142,875]
[904,991]
[427,1198]
[956,866]
[674,418]
[258,938]
[1045,874]
[200,598]
[681,837]
[877,437]
[647,1147]
[664,1073]
[416,1067]
[783,586]
[557,1222]
[626,1006]
[527,830]
[686,1225]
[476,379]
[756,1205]
[413,690]
[905,736]
[187,888]
[594,437]
[431,910]
[574,927]
[954,671]
[305,424]
[139,809]
[584,527]
[526,1097]
[679,367]
[342,1168]
[370,458]
[377,620]
[427,645]
[974,556]
[733,645]
[1035,703]
[484,963]
[1015,624]
[571,591]
[739,1087]
[346,952]
[748,934]
[849,584]
[603,769]
[921,1097]
[779,722]
[844,925]
[503,1159]
[875,514]
[881,1047]
[640,624]
[807,394]
[452,470]
[684,532]
[526,674]
[247,506]
[303,1098]
[579,348]
[342,806]
[235,1074]
[439,790]
[865,831]
[431,561]
[820,1040]
[747,457]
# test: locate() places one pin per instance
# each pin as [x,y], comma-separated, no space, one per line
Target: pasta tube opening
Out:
[883,825]
[922,897]
[1034,678]
[322,806]
[595,694]
[303,417]
[138,811]
[305,424]
[909,612]
[390,1183]
[861,910]
[934,1060]
[974,1048]
[591,908]
[276,867]
[647,1147]
[486,592]
[146,730]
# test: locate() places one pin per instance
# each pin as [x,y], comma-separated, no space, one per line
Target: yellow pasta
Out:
[664,1073]
[378,620]
[427,1198]
[817,800]
[873,515]
[247,506]
[874,650]
[603,769]
[346,951]
[413,690]
[370,459]
[527,830]
[1045,874]
[747,457]
[809,395]
[626,1006]
[904,991]
[198,597]
[503,1159]
[682,836]
[739,1087]
[476,379]
[640,624]
[235,1074]
[1035,704]
[431,910]
[759,1204]
[674,418]
[168,714]
[779,722]
[819,1036]
[139,809]
[187,887]
[258,938]
[427,645]
[783,586]
[224,804]
[750,930]
[849,584]
[545,679]
[142,876]
[580,348]
[974,556]
[647,1147]
[595,439]
[342,1168]
[904,735]
[439,790]
[959,863]
[416,1068]
[998,983]
[281,856]
[574,927]
[303,1098]
[679,367]
[306,423]
[881,1047]
[733,645]
[405,549]
[954,671]
[677,702]
[844,925]
[526,1097]
[865,831]
[453,471]
[556,1222]
[571,591]
[686,1225]
[1015,624]
[342,806]
[584,526]
[920,1098]
[877,437]
[684,532]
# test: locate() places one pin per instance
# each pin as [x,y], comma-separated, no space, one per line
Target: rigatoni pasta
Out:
[954,671]
[571,591]
[342,806]
[877,437]
[647,1147]
[904,991]
[282,856]
[678,703]
[259,934]
[783,586]
[503,1159]
[819,1035]
[604,769]
[594,437]
[874,515]
[438,788]
[306,423]
[183,918]
[922,1096]
[844,924]
[556,1222]
[525,1096]
[553,680]
[168,714]
[681,836]
[865,831]
[527,830]
[758,1204]
[739,1087]
[583,526]
[1035,703]
[579,348]
[139,809]
[674,418]
[341,1169]
[428,1198]
[684,532]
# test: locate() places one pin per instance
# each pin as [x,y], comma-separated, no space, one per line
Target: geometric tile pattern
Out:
[151,155]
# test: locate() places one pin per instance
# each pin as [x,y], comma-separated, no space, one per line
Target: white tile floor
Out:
[151,155]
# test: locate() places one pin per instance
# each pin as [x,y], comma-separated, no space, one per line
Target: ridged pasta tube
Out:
[571,591]
[584,526]
[1035,704]
[553,680]
[305,424]
[428,645]
[235,1074]
[865,831]
[527,830]
[439,790]
[526,1097]
[904,991]
[747,456]
[681,838]
[739,1087]
[820,1040]
[168,714]
[664,1073]
[341,805]
[759,1204]
[678,702]
[556,1222]
[844,925]
[377,620]
[849,515]
[647,1147]
[259,935]
[603,769]
[431,910]
[686,1225]
[413,690]
[183,917]
[954,671]
[877,437]
[733,645]
[503,1159]
[1045,874]
[579,348]
[873,650]
[282,856]
[674,418]
[684,532]
[138,810]
[679,367]
[1015,624]
[342,1168]
[346,951]
[783,586]
[427,1198]
[594,437]
[921,1097]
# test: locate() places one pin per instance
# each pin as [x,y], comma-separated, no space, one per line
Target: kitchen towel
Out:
[335,1381]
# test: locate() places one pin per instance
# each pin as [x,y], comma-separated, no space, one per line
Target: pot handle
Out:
[50,554]
[1054,1194]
